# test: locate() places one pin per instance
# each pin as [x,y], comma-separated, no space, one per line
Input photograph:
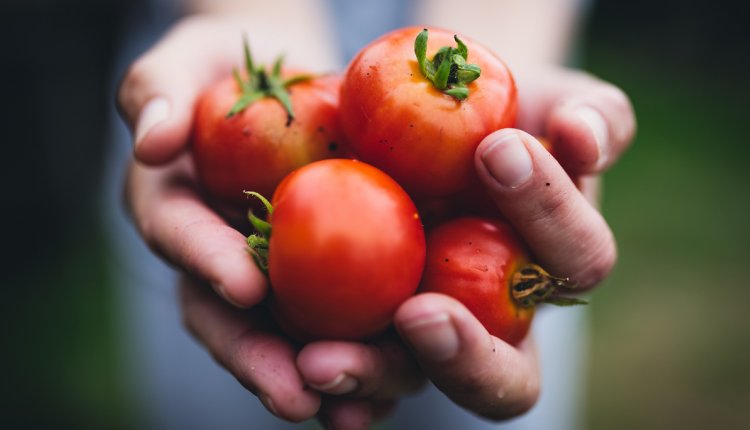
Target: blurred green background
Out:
[671,327]
[671,343]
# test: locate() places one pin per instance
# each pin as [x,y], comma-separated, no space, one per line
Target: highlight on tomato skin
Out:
[346,248]
[397,120]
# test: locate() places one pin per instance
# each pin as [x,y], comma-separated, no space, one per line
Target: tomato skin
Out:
[255,149]
[347,249]
[473,260]
[396,120]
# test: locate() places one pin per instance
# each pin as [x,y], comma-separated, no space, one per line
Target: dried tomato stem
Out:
[532,285]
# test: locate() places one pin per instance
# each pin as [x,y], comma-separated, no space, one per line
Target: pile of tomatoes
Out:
[357,166]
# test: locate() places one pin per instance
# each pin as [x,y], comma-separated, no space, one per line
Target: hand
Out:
[590,123]
[364,380]
[176,223]
[156,99]
[159,90]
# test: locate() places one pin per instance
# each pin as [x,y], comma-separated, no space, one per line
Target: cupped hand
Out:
[291,384]
[551,201]
[156,99]
[589,123]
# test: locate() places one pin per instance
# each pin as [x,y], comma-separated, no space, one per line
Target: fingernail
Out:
[433,337]
[598,126]
[157,110]
[508,161]
[268,403]
[222,291]
[342,384]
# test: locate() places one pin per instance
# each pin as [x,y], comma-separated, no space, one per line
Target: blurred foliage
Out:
[671,333]
[55,303]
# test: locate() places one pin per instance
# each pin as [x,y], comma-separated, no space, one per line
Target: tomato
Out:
[255,148]
[347,248]
[483,264]
[396,118]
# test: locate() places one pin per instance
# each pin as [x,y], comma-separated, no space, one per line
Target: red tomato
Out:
[484,265]
[257,147]
[347,248]
[397,120]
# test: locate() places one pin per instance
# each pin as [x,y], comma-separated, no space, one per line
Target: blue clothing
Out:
[174,382]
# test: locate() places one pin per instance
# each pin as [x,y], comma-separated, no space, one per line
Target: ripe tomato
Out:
[256,147]
[484,265]
[346,249]
[424,137]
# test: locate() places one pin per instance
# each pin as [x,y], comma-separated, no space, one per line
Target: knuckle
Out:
[554,207]
[471,383]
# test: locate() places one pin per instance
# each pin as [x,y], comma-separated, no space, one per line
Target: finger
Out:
[589,122]
[566,234]
[177,224]
[346,414]
[352,414]
[261,361]
[381,370]
[158,92]
[473,368]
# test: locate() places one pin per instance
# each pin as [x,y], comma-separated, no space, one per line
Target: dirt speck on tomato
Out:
[481,267]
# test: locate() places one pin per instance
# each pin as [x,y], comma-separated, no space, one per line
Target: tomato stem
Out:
[258,241]
[260,83]
[532,285]
[448,70]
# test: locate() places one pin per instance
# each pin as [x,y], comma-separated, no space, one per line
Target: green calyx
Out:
[258,241]
[260,83]
[448,70]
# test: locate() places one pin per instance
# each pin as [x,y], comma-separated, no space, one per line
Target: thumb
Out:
[473,368]
[530,188]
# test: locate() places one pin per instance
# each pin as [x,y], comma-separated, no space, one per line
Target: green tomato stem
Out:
[258,242]
[448,70]
[261,83]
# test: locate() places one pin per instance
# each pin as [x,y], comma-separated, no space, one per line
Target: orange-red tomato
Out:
[347,248]
[399,122]
[256,148]
[473,260]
